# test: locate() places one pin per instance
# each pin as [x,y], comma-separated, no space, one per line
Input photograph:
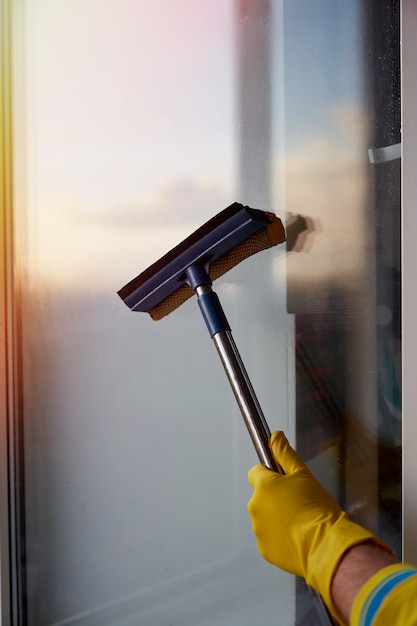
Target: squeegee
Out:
[231,236]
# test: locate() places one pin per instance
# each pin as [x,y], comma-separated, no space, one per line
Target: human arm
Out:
[356,567]
[300,528]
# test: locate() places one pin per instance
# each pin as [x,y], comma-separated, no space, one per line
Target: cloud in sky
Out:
[328,181]
[131,142]
[325,181]
[130,132]
[182,203]
[79,247]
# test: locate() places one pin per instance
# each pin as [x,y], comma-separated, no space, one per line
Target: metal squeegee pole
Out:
[245,396]
[239,381]
[250,408]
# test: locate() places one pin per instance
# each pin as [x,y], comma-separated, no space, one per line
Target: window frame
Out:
[6,290]
[409,295]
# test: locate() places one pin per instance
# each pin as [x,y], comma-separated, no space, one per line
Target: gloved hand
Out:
[298,526]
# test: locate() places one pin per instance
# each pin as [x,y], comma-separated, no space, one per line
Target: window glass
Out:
[136,123]
[342,190]
[135,454]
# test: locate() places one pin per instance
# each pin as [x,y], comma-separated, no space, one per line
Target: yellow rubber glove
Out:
[299,527]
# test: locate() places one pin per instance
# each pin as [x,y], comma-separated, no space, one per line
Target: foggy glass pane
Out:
[142,120]
[136,457]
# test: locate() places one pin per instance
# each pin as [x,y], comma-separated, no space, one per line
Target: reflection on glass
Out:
[135,454]
[344,251]
[145,120]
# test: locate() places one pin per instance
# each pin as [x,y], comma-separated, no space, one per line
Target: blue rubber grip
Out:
[212,312]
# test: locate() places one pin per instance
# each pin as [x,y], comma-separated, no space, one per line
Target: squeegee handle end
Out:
[212,312]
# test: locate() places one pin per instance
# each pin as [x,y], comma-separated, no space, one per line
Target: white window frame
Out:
[409,274]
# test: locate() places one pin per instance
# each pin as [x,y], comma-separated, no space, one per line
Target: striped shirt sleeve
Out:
[389,597]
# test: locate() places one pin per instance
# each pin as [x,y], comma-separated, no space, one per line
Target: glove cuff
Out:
[324,561]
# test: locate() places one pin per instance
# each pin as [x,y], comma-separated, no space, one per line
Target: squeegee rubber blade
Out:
[213,240]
